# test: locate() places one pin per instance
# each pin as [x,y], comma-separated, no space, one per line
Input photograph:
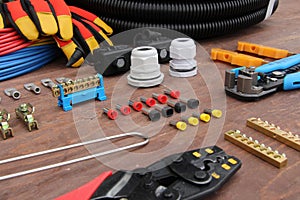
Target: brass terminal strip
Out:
[254,147]
[71,86]
[275,132]
[263,50]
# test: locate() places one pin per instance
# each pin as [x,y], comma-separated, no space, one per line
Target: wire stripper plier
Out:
[254,83]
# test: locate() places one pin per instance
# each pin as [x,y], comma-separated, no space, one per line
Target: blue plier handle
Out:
[290,81]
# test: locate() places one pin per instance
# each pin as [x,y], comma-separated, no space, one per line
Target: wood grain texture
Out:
[255,180]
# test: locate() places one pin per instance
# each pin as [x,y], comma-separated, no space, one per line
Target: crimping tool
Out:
[254,83]
[186,176]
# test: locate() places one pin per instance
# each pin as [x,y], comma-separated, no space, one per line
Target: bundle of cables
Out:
[18,56]
[196,18]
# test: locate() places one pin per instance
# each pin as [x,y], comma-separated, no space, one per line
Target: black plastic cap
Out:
[193,103]
[154,115]
[167,111]
[180,107]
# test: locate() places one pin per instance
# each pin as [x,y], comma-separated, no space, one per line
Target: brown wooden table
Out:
[255,180]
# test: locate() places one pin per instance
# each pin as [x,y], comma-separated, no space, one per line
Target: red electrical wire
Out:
[5,30]
[14,47]
[8,35]
[14,38]
[11,41]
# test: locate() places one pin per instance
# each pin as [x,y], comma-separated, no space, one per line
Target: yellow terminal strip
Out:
[235,58]
[275,132]
[254,147]
[77,85]
[263,50]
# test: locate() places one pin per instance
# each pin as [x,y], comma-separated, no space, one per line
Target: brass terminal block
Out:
[254,147]
[275,132]
[69,86]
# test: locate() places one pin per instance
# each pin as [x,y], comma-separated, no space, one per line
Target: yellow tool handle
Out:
[235,58]
[261,50]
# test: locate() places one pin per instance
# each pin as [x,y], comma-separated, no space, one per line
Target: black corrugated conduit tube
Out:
[196,18]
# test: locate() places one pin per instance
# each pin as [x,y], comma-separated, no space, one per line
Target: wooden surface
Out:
[255,180]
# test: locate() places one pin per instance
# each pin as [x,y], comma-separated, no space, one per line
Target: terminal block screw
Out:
[153,115]
[148,101]
[111,114]
[166,111]
[191,103]
[203,117]
[178,106]
[137,106]
[213,112]
[172,93]
[125,110]
[190,120]
[180,125]
[161,98]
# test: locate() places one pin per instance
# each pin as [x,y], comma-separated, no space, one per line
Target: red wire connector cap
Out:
[111,114]
[148,101]
[137,106]
[161,98]
[175,94]
[125,110]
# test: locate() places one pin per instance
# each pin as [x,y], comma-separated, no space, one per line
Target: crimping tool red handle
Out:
[189,175]
[86,191]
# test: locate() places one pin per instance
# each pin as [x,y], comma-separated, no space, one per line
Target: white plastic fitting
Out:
[145,69]
[183,52]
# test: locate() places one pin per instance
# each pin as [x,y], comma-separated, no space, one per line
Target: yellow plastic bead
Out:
[204,117]
[181,126]
[193,121]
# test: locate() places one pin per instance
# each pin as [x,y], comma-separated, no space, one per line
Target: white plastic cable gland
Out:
[145,69]
[183,48]
[183,64]
[183,52]
[184,74]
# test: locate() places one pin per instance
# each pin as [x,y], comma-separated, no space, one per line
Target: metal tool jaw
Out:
[191,175]
[249,85]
